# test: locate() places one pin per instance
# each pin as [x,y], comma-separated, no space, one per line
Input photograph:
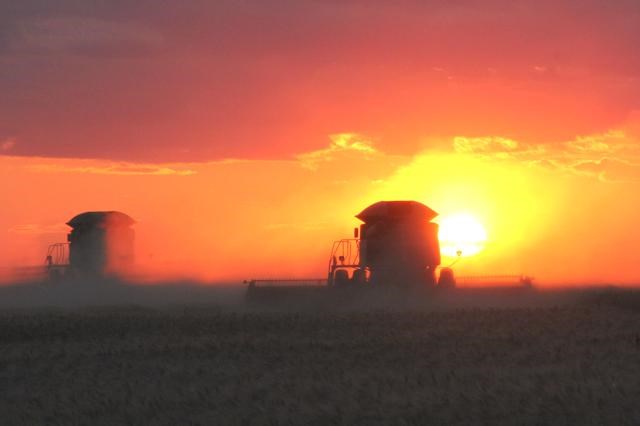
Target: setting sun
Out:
[461,235]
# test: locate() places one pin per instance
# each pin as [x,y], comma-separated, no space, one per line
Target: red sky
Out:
[525,114]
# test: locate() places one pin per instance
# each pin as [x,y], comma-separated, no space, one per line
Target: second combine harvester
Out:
[100,245]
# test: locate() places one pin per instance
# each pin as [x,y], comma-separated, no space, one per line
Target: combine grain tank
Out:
[100,243]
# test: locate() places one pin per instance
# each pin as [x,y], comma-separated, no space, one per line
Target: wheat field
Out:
[572,364]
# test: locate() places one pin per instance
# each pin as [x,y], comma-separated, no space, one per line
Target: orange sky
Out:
[244,138]
[563,214]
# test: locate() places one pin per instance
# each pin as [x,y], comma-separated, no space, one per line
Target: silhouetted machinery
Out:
[396,245]
[100,244]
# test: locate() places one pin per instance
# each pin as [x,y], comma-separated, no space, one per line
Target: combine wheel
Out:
[447,279]
[359,276]
[341,278]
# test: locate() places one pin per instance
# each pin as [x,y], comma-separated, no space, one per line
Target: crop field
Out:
[577,363]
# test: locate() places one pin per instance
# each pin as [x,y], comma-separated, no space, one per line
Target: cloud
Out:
[606,143]
[463,144]
[7,144]
[254,67]
[342,145]
[84,36]
[498,147]
[37,229]
[612,142]
[115,169]
[611,170]
[612,156]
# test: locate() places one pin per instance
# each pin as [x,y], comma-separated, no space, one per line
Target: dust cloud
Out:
[113,293]
[238,297]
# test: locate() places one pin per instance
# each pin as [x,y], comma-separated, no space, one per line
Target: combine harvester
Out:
[395,253]
[100,245]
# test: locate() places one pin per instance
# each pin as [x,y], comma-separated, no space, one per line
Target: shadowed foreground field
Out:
[577,364]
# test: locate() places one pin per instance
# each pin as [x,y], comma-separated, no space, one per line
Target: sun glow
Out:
[461,235]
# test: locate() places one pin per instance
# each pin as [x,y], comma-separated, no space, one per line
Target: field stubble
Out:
[575,364]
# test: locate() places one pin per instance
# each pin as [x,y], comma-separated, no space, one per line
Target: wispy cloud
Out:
[7,144]
[37,229]
[342,144]
[84,36]
[114,169]
[613,141]
[610,169]
[610,156]
[484,144]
